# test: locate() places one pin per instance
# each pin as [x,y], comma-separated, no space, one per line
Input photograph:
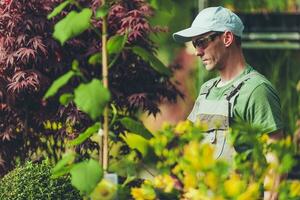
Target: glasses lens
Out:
[198,42]
[203,42]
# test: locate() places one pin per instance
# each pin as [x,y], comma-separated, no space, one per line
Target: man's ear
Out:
[228,38]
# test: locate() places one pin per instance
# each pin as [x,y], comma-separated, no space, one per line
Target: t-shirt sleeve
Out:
[263,109]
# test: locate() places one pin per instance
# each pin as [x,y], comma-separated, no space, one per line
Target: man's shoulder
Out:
[258,103]
[254,80]
[257,89]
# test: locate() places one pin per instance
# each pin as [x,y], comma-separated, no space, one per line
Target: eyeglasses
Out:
[202,42]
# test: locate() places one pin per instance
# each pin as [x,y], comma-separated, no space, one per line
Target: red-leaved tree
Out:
[30,59]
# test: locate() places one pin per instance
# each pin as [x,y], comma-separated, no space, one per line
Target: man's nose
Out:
[199,51]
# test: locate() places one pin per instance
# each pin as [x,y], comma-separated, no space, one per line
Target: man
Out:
[240,93]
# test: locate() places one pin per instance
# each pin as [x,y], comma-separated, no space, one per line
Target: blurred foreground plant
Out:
[186,168]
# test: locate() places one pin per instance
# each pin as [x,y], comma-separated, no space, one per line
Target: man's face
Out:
[210,48]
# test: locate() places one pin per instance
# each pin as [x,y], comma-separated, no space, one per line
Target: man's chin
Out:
[209,67]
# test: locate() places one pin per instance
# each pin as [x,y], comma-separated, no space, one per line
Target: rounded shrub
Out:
[33,182]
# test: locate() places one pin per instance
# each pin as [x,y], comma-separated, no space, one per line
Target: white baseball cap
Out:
[211,19]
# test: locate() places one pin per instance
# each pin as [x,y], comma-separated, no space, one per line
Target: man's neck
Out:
[235,64]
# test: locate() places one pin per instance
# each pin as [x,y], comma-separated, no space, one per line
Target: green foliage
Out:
[290,190]
[175,16]
[66,98]
[102,11]
[105,190]
[85,135]
[136,127]
[86,175]
[64,165]
[287,163]
[91,98]
[187,167]
[154,61]
[137,142]
[125,166]
[32,181]
[72,25]
[95,59]
[165,5]
[116,44]
[254,5]
[58,9]
[58,83]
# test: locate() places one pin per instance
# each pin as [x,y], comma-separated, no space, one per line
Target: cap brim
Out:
[188,34]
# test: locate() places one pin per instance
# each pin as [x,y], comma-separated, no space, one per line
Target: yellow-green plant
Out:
[187,169]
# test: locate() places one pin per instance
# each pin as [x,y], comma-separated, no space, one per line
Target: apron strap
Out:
[234,92]
[202,95]
[207,88]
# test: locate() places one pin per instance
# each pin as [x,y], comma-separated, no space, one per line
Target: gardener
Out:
[240,93]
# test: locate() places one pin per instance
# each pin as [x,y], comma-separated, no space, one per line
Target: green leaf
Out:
[85,135]
[75,66]
[86,175]
[91,98]
[61,167]
[124,167]
[165,5]
[63,171]
[128,180]
[66,98]
[155,63]
[72,25]
[116,43]
[137,142]
[286,164]
[102,11]
[95,59]
[58,9]
[114,113]
[105,190]
[136,127]
[58,83]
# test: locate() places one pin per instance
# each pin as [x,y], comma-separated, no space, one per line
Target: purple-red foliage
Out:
[27,57]
[30,60]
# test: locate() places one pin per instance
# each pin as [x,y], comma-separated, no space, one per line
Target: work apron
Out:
[216,114]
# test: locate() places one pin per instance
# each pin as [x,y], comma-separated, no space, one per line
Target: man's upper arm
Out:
[264,109]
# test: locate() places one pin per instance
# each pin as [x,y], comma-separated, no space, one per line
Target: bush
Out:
[33,182]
